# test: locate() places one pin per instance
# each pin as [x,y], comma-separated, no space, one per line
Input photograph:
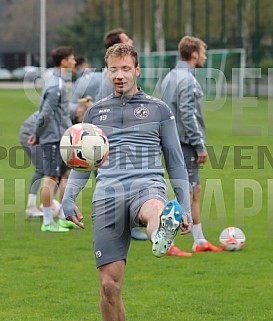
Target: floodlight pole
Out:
[43,34]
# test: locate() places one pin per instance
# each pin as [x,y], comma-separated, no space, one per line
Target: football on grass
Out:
[232,239]
[84,147]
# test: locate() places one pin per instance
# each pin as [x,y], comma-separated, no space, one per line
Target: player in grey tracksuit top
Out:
[188,113]
[183,94]
[139,129]
[52,121]
[130,186]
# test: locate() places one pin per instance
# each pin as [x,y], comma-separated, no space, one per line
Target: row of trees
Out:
[157,25]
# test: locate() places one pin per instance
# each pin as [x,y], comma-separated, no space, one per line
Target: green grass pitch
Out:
[53,277]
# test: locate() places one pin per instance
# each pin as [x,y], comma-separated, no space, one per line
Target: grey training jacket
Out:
[54,116]
[182,92]
[139,129]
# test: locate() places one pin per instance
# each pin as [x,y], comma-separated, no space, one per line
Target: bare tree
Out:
[247,23]
[158,26]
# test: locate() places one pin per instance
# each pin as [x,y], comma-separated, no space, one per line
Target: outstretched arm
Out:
[76,182]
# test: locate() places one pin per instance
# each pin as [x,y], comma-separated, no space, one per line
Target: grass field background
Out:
[53,277]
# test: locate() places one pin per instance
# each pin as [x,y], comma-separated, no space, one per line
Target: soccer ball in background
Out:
[232,239]
[56,207]
[84,147]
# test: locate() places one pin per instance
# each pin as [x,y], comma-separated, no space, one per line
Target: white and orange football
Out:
[84,147]
[232,239]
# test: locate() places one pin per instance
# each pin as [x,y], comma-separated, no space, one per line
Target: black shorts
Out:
[53,164]
[191,157]
[112,220]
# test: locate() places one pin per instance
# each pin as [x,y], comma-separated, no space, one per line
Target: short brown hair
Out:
[121,50]
[188,45]
[60,53]
[112,37]
[80,61]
